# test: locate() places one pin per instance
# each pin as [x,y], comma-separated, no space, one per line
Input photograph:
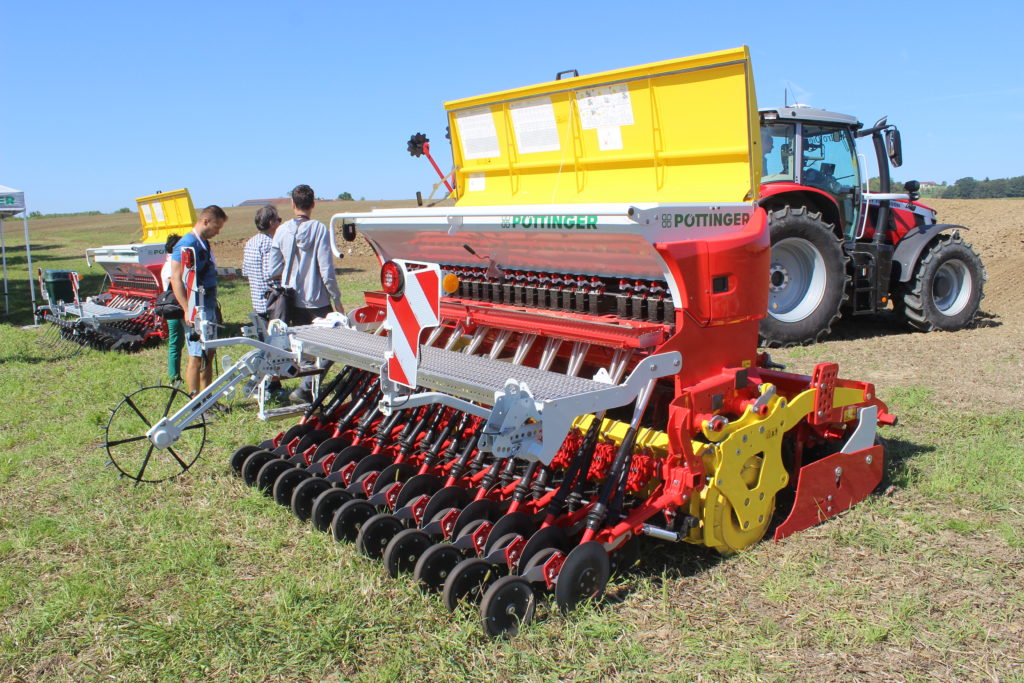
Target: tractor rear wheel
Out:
[807,278]
[946,288]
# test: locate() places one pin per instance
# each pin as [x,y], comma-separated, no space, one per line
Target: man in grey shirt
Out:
[300,257]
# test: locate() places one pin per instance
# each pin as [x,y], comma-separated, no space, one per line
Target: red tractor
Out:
[839,250]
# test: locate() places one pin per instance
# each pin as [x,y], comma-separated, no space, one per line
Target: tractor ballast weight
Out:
[566,359]
[839,250]
[121,316]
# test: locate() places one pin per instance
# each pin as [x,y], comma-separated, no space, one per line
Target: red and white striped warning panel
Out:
[413,309]
[188,278]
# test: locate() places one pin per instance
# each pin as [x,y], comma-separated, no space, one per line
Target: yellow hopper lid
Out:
[681,130]
[164,213]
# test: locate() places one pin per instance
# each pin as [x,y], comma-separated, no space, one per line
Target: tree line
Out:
[965,188]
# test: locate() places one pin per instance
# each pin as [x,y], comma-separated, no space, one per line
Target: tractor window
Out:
[778,149]
[829,159]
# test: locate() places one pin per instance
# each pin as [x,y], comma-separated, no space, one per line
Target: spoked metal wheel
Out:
[133,454]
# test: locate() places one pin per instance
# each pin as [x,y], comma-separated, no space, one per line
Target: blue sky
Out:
[109,101]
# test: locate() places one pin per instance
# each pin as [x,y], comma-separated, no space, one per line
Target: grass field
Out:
[203,578]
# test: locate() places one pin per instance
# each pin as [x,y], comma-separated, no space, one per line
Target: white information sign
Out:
[609,138]
[477,134]
[477,182]
[605,106]
[533,121]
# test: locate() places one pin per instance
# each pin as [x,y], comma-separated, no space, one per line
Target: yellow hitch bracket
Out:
[753,447]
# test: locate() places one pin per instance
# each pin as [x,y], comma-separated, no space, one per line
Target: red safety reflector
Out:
[391,279]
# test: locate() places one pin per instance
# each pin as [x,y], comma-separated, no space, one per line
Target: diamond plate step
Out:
[474,378]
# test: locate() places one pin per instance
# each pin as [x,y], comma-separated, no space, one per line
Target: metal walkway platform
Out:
[474,378]
[100,313]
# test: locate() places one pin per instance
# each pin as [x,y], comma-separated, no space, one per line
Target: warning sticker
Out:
[605,107]
[477,133]
[534,123]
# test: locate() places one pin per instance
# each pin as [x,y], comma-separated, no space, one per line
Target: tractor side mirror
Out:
[912,188]
[894,147]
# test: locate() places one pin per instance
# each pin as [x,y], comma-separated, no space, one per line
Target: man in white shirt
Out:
[301,258]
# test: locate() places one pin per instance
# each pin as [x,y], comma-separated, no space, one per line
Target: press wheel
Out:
[286,483]
[468,580]
[516,523]
[237,458]
[304,495]
[449,496]
[269,473]
[435,564]
[254,463]
[548,537]
[335,444]
[417,485]
[376,533]
[477,510]
[313,438]
[396,471]
[349,518]
[324,507]
[133,454]
[370,463]
[404,550]
[583,576]
[507,606]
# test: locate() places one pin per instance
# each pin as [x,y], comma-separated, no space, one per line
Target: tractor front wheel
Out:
[807,278]
[946,288]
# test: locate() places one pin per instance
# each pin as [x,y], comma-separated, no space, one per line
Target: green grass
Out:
[203,578]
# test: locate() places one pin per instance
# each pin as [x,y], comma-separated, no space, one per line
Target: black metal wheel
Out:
[479,509]
[507,606]
[626,556]
[134,455]
[548,537]
[469,579]
[370,463]
[254,463]
[583,576]
[313,438]
[435,564]
[448,497]
[404,550]
[396,471]
[269,473]
[332,445]
[538,559]
[349,518]
[417,485]
[324,507]
[517,523]
[286,483]
[239,456]
[304,495]
[376,533]
[350,454]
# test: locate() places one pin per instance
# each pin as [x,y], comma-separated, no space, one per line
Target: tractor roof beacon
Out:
[840,250]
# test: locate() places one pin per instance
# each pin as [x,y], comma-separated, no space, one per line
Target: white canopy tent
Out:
[12,202]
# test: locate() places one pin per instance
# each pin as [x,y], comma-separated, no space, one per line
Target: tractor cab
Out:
[813,150]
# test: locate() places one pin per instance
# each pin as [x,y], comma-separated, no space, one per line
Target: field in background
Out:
[204,578]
